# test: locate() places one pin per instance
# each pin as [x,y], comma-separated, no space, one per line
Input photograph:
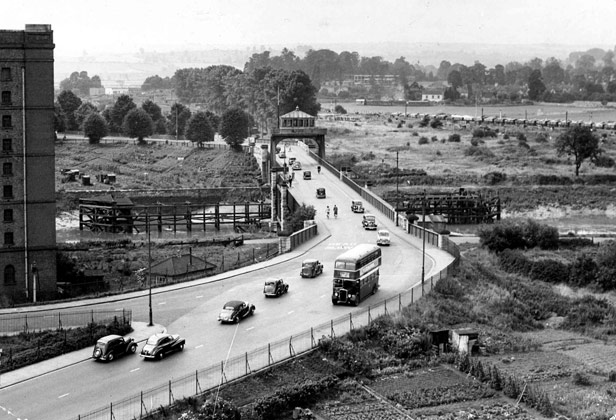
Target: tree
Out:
[536,87]
[454,78]
[152,109]
[199,129]
[59,119]
[579,142]
[177,119]
[234,127]
[95,127]
[138,123]
[82,113]
[69,102]
[118,113]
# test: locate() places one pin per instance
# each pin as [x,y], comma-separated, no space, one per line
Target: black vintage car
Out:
[311,268]
[111,346]
[320,192]
[275,287]
[235,310]
[160,345]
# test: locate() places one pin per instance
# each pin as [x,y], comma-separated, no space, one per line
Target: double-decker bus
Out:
[356,274]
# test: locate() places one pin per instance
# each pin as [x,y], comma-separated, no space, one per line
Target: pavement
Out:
[141,332]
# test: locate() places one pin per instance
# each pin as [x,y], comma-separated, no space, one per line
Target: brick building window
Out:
[7,168]
[7,191]
[9,275]
[8,238]
[8,215]
[7,121]
[7,145]
[6,97]
[5,74]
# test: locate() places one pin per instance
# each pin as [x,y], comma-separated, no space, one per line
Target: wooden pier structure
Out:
[106,214]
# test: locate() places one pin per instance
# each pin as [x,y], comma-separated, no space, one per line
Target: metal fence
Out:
[13,323]
[208,379]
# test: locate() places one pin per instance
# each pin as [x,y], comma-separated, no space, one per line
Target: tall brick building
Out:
[27,158]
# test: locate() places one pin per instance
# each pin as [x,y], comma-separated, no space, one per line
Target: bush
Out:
[482,132]
[493,178]
[521,136]
[550,271]
[454,138]
[518,235]
[541,138]
[434,139]
[436,123]
[423,140]
[474,142]
[479,152]
[603,161]
[415,134]
[581,379]
[339,109]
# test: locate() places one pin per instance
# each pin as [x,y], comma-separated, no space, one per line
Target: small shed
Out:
[180,268]
[464,339]
[440,340]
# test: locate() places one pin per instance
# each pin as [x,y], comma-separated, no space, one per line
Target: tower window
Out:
[7,121]
[7,168]
[6,97]
[8,215]
[7,191]
[9,275]
[8,238]
[5,74]
[7,145]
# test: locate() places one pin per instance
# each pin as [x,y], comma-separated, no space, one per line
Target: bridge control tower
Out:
[298,125]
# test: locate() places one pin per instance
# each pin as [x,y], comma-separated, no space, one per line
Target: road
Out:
[192,312]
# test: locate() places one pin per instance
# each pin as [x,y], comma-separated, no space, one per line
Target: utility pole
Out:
[397,182]
[423,249]
[151,323]
[177,123]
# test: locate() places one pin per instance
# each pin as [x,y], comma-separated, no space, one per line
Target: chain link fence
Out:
[16,323]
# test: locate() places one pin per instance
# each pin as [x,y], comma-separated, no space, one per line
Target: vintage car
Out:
[111,346]
[275,287]
[320,192]
[282,155]
[368,222]
[307,175]
[235,310]
[160,345]
[297,166]
[311,268]
[382,237]
[357,206]
[292,160]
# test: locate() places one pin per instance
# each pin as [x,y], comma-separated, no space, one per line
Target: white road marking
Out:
[251,328]
[63,395]
[162,303]
[199,297]
[199,346]
[290,312]
[134,370]
[322,296]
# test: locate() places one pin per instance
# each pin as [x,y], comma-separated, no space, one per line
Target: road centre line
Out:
[290,312]
[64,395]
[162,303]
[199,297]
[199,346]
[134,370]
[251,328]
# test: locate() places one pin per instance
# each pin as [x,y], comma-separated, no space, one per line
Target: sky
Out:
[125,26]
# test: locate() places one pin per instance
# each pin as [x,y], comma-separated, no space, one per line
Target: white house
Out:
[432,95]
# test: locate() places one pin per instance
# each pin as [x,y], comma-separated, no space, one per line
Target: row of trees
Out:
[140,122]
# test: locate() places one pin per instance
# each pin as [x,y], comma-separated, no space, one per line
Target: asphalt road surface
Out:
[192,311]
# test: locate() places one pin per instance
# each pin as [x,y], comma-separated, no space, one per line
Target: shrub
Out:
[482,132]
[583,271]
[493,178]
[516,235]
[612,376]
[409,125]
[550,271]
[339,109]
[415,134]
[423,140]
[400,125]
[581,379]
[541,138]
[474,142]
[434,139]
[454,138]
[506,136]
[587,312]
[521,136]
[436,123]
[603,161]
[479,152]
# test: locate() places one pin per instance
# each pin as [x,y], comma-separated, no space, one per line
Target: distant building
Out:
[98,91]
[27,157]
[432,95]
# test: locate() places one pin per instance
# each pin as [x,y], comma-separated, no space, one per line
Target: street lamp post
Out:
[151,323]
[423,249]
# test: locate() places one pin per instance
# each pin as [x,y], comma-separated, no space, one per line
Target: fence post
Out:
[111,416]
[311,337]
[170,393]
[412,296]
[399,301]
[92,316]
[60,320]
[253,255]
[331,334]
[247,367]
[291,350]
[270,359]
[369,316]
[350,321]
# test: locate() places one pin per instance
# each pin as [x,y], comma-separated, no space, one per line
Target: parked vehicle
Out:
[297,166]
[111,346]
[311,268]
[235,311]
[282,155]
[307,175]
[292,160]
[275,287]
[320,192]
[160,345]
[383,238]
[368,222]
[357,206]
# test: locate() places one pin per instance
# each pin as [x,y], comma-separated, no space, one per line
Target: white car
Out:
[382,237]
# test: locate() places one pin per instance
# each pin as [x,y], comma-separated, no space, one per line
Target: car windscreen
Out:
[270,287]
[152,341]
[307,265]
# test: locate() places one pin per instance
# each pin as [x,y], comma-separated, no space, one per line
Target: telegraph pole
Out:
[397,182]
[423,249]
[151,323]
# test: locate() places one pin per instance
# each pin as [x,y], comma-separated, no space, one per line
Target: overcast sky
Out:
[127,25]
